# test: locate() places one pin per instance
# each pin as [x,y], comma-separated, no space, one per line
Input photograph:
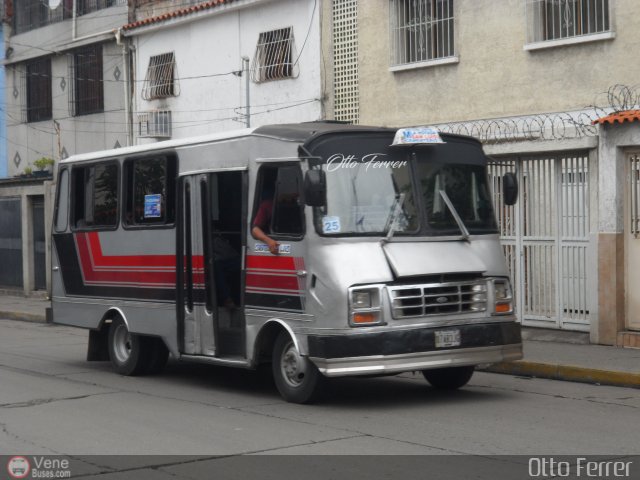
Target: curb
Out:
[567,373]
[23,317]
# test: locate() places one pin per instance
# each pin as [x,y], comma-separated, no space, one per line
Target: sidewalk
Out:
[547,354]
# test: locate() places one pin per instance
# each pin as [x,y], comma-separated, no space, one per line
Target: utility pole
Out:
[56,127]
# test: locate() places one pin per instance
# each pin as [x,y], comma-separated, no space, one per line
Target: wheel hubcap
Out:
[122,344]
[292,366]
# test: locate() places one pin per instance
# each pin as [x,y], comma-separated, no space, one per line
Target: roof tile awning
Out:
[619,117]
[175,14]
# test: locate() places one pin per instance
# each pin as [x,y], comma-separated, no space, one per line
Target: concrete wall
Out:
[209,47]
[615,142]
[495,76]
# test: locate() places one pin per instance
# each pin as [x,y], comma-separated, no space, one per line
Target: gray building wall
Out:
[28,141]
[494,76]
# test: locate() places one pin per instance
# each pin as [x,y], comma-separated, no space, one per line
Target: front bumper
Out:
[407,350]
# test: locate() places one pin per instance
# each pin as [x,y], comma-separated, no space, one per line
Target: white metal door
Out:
[632,242]
[546,238]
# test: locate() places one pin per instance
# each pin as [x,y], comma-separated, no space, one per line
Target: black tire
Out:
[158,357]
[448,378]
[129,353]
[296,377]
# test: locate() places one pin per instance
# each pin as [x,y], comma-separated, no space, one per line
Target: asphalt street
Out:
[54,402]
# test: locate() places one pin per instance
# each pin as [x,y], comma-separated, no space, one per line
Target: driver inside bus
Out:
[261,227]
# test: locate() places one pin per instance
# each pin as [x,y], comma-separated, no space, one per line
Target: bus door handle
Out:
[301,273]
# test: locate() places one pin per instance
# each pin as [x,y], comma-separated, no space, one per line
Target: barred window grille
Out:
[161,78]
[561,19]
[274,57]
[37,86]
[32,14]
[345,60]
[421,30]
[88,6]
[154,124]
[87,89]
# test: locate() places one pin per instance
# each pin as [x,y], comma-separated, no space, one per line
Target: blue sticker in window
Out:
[152,208]
[330,225]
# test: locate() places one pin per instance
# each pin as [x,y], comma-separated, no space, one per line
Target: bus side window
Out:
[149,191]
[278,210]
[95,196]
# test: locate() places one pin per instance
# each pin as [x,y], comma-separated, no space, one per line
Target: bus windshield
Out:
[362,194]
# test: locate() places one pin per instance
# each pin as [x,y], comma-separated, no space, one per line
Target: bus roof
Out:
[293,132]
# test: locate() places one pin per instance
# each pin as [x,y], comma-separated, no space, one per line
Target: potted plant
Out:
[43,164]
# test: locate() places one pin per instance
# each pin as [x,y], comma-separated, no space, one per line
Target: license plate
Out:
[447,338]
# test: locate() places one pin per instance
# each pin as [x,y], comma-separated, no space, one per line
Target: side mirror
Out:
[510,188]
[315,188]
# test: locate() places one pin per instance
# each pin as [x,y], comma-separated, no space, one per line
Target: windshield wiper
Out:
[392,221]
[456,216]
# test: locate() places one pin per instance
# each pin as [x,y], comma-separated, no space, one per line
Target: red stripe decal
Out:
[98,268]
[101,260]
[280,282]
[271,262]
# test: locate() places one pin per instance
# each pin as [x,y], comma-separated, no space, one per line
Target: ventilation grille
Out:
[345,59]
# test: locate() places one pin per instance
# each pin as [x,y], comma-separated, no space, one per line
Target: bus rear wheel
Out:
[297,379]
[129,353]
[448,378]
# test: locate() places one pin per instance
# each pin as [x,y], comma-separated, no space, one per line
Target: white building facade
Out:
[226,65]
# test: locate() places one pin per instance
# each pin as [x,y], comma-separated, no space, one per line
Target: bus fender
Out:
[98,349]
[266,338]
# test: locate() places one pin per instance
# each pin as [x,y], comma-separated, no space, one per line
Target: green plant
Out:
[28,171]
[43,163]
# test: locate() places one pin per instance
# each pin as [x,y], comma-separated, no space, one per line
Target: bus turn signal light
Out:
[503,307]
[365,317]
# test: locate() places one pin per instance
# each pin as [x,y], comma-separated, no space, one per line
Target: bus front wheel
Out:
[450,378]
[297,379]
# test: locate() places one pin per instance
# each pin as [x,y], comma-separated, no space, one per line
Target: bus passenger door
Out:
[196,317]
[212,246]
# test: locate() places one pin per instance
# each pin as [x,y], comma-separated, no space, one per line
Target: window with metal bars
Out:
[87,82]
[160,80]
[32,14]
[38,86]
[421,30]
[274,57]
[560,19]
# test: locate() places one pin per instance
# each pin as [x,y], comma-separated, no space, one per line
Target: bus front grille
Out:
[408,301]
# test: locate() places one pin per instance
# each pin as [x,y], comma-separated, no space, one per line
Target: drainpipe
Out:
[247,113]
[127,90]
[74,21]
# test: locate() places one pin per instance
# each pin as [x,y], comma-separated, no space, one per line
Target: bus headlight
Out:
[502,296]
[365,306]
